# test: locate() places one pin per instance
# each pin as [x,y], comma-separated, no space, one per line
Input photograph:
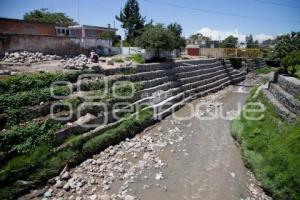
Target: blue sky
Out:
[102,12]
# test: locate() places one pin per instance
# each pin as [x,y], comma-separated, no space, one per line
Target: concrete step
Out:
[198,72]
[281,109]
[189,68]
[285,98]
[289,84]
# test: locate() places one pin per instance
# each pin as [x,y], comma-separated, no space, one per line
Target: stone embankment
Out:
[284,94]
[165,88]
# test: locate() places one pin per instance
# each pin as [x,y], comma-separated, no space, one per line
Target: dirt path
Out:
[175,159]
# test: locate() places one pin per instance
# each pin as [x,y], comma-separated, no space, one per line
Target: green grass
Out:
[41,163]
[263,70]
[31,98]
[25,138]
[26,82]
[271,148]
[138,58]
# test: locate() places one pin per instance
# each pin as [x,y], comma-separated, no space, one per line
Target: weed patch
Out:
[271,148]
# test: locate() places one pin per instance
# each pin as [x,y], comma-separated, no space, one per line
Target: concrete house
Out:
[21,35]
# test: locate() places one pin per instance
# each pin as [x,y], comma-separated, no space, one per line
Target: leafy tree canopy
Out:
[156,37]
[131,20]
[44,15]
[110,35]
[229,42]
[199,36]
[177,30]
[285,44]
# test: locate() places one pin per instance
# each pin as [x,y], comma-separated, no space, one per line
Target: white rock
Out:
[65,175]
[129,197]
[159,176]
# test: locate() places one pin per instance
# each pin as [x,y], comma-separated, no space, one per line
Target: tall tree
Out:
[131,20]
[176,29]
[44,15]
[156,38]
[250,42]
[229,42]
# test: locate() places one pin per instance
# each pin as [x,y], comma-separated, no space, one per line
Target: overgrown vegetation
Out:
[271,148]
[263,70]
[42,163]
[31,98]
[27,137]
[26,82]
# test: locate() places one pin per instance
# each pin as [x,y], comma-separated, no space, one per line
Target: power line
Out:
[277,4]
[219,12]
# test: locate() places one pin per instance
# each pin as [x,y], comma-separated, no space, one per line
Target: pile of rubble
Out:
[28,57]
[79,62]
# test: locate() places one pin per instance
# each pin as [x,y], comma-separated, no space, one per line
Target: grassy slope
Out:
[271,148]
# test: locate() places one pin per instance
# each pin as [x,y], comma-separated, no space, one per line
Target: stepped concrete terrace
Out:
[284,94]
[165,87]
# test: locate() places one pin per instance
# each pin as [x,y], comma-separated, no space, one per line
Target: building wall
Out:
[44,44]
[193,51]
[49,44]
[8,26]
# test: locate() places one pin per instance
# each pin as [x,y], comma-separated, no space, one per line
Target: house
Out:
[89,32]
[89,37]
[21,35]
[22,27]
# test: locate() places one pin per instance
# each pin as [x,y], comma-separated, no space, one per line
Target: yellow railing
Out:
[243,53]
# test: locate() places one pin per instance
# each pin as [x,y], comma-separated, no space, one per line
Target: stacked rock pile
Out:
[79,62]
[28,57]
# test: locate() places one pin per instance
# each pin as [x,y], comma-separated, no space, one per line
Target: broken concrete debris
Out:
[26,57]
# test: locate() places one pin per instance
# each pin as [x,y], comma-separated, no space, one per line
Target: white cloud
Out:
[221,35]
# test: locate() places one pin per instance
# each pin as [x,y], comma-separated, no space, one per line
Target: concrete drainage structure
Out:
[166,87]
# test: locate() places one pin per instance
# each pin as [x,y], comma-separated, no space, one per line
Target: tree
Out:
[229,42]
[111,36]
[291,63]
[176,29]
[43,15]
[199,36]
[251,43]
[156,38]
[285,44]
[131,20]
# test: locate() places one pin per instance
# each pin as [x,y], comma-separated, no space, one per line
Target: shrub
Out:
[291,63]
